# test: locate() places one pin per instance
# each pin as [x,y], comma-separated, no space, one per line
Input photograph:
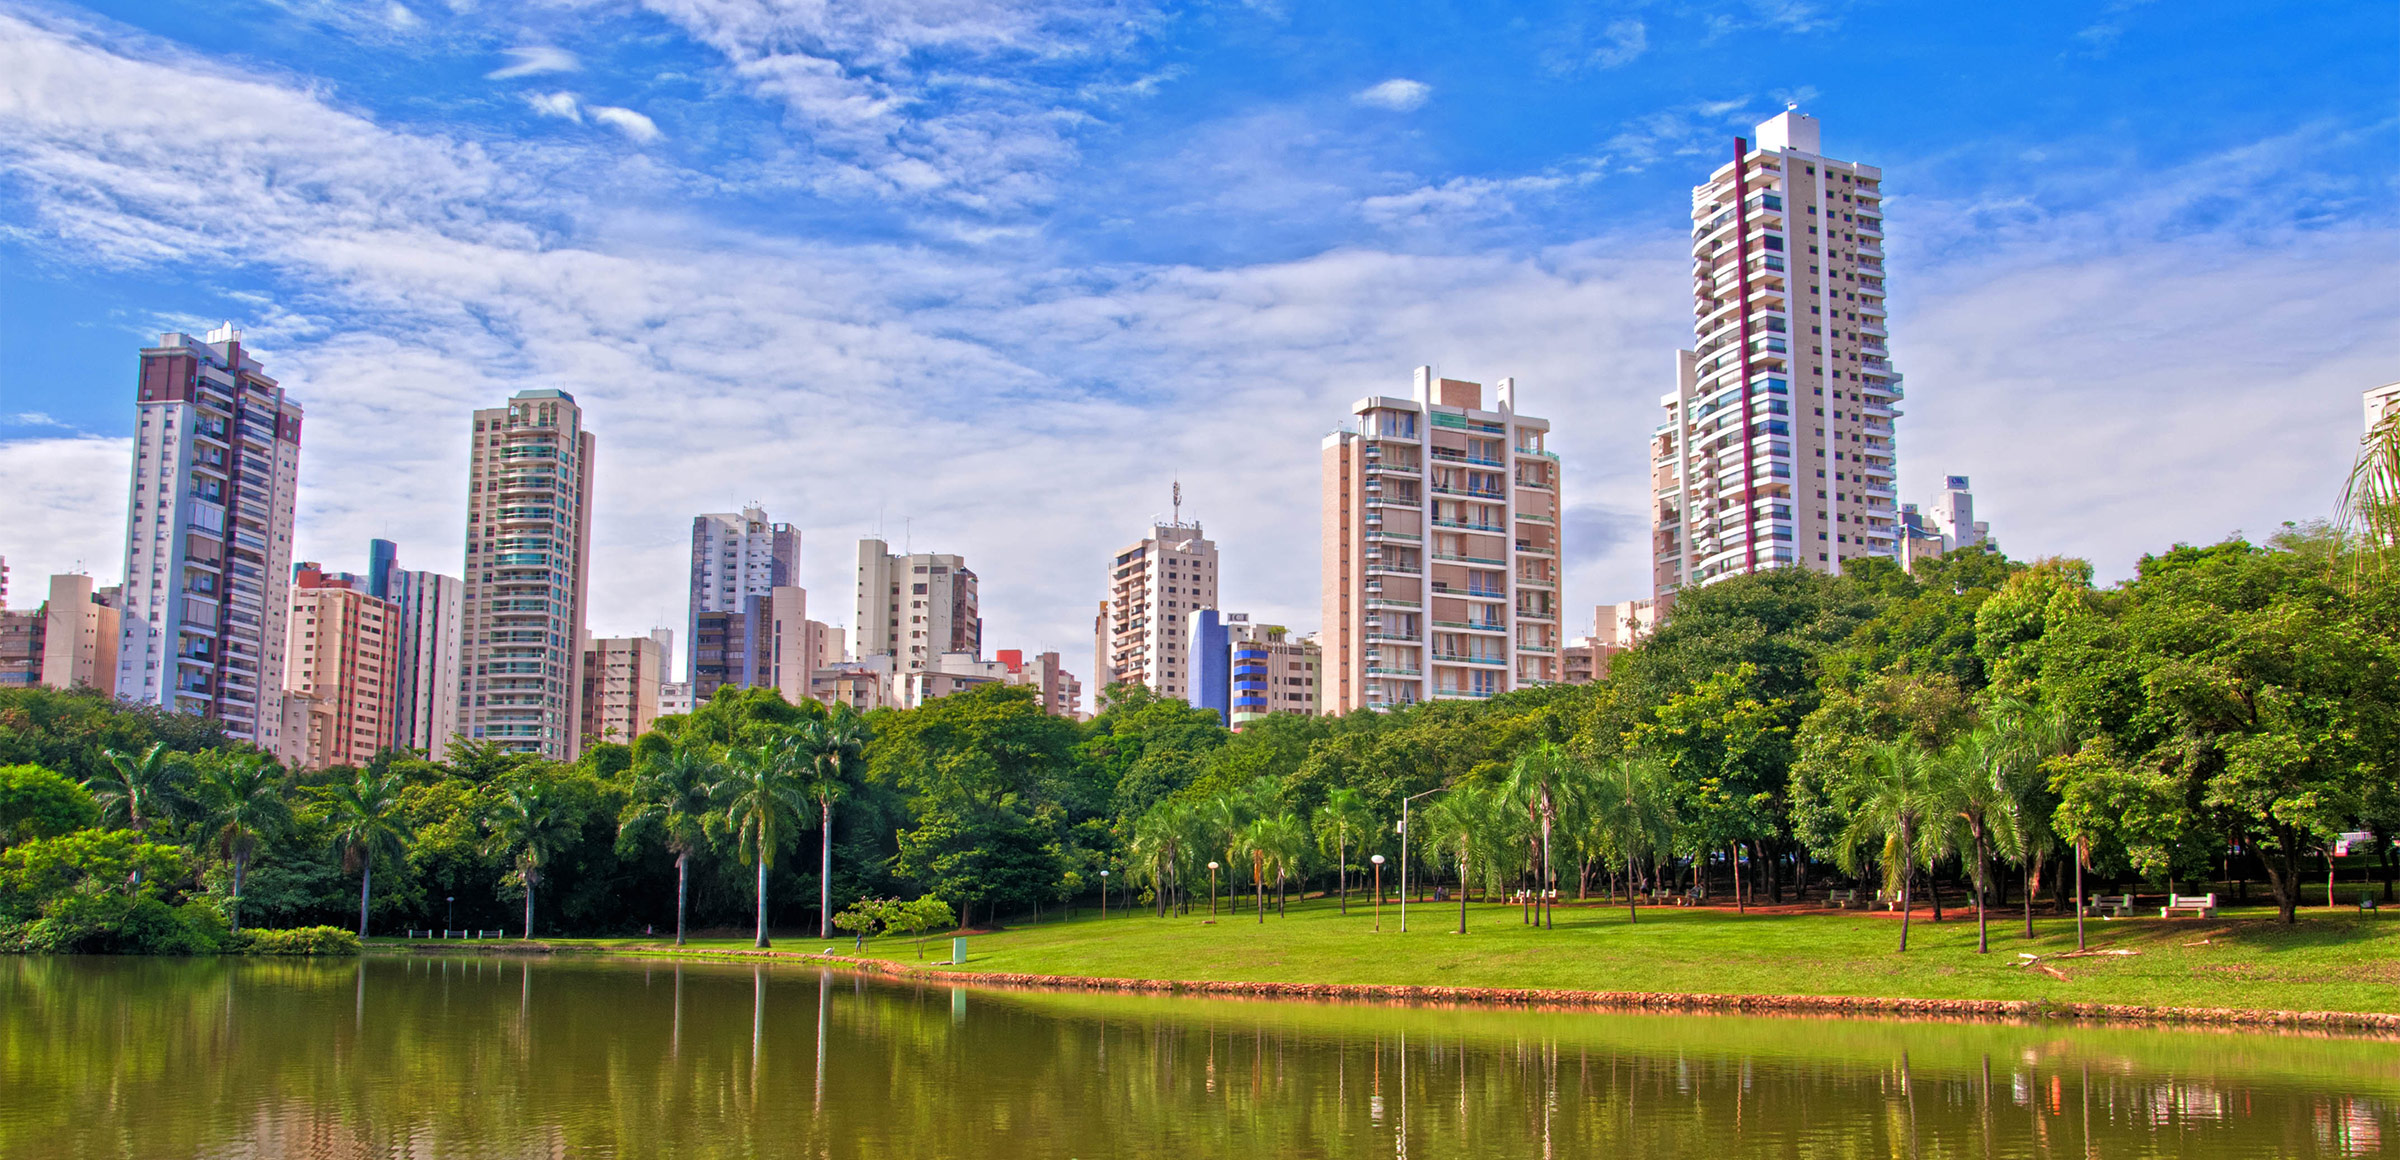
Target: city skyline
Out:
[1553,252]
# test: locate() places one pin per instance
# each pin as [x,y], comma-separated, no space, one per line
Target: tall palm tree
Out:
[1551,782]
[134,792]
[527,825]
[1345,810]
[2029,738]
[1890,820]
[1452,828]
[835,747]
[1629,809]
[242,804]
[1229,814]
[365,815]
[1157,850]
[762,796]
[1967,810]
[2370,512]
[671,792]
[1283,841]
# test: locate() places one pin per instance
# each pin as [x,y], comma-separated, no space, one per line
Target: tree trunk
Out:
[825,872]
[2283,877]
[2079,899]
[683,875]
[1633,898]
[762,900]
[1341,865]
[1983,934]
[366,879]
[1741,905]
[234,916]
[1462,890]
[528,906]
[1908,876]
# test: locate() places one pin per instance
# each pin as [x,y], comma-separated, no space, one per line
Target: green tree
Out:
[1968,807]
[1632,811]
[36,803]
[1344,818]
[242,807]
[672,790]
[1552,784]
[836,747]
[527,825]
[136,792]
[762,797]
[1889,828]
[362,814]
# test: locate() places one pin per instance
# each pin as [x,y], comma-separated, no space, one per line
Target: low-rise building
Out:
[1245,670]
[70,642]
[620,688]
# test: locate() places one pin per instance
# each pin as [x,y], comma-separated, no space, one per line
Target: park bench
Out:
[2366,905]
[2110,905]
[1886,899]
[458,934]
[2197,905]
[1841,899]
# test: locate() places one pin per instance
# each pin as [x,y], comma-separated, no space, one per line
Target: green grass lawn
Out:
[2331,961]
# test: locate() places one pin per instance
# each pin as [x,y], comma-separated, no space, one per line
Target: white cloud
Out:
[628,122]
[67,514]
[562,105]
[34,419]
[1398,94]
[399,17]
[535,58]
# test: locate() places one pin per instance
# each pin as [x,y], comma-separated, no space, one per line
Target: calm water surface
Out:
[502,1057]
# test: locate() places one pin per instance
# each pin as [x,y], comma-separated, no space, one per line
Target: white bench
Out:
[1841,899]
[2111,905]
[2197,905]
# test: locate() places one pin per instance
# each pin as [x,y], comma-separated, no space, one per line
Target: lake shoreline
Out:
[2017,1010]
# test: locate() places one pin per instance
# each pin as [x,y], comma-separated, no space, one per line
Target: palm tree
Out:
[762,797]
[671,791]
[527,825]
[241,796]
[1229,815]
[2370,513]
[835,746]
[2029,738]
[134,791]
[1891,818]
[1344,809]
[1157,849]
[1629,809]
[1283,839]
[1968,811]
[364,813]
[1452,825]
[1550,781]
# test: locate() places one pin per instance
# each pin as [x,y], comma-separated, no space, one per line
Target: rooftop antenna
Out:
[1179,503]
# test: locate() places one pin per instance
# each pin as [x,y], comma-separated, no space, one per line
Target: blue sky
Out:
[990,276]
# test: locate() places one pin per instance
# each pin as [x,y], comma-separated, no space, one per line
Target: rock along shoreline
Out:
[2016,1010]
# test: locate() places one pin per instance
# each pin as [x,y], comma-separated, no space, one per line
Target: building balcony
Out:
[1473,626]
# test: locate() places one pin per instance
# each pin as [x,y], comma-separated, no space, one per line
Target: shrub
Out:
[36,803]
[305,940]
[114,924]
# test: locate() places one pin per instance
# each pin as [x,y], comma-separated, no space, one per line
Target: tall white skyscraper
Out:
[735,555]
[529,535]
[914,608]
[425,706]
[1153,586]
[1777,448]
[208,547]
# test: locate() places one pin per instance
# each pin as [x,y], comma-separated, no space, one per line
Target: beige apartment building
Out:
[70,642]
[529,539]
[342,674]
[1060,692]
[620,688]
[1153,585]
[1441,549]
[1778,447]
[914,607]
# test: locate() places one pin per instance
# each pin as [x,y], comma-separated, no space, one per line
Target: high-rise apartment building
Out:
[529,486]
[1245,670]
[208,544]
[2381,401]
[913,608]
[425,706]
[1441,549]
[620,688]
[767,643]
[1950,525]
[1152,586]
[736,555]
[69,642]
[344,667]
[1777,448]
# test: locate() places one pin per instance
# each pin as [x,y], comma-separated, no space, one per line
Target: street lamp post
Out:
[1104,896]
[1404,852]
[1378,861]
[452,920]
[1212,890]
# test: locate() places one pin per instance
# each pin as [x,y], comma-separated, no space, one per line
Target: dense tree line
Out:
[1987,728]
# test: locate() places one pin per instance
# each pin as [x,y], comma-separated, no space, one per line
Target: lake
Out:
[502,1056]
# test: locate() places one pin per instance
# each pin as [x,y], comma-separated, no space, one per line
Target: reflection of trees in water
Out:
[491,1056]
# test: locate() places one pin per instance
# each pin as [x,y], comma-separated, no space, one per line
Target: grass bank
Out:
[2243,960]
